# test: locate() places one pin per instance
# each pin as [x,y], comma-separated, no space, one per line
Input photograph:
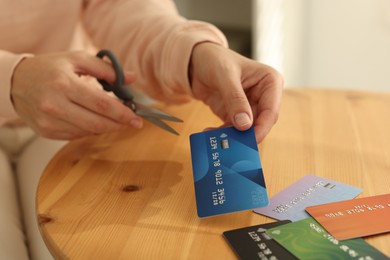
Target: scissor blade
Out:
[146,111]
[161,124]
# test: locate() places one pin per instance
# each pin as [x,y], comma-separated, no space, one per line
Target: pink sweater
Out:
[148,35]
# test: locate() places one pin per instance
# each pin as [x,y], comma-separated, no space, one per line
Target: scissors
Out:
[153,115]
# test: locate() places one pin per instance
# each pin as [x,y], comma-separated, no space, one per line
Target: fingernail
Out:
[137,123]
[242,119]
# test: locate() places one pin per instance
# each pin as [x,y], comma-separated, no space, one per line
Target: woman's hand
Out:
[240,91]
[54,94]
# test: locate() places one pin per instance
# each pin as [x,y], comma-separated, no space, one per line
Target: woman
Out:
[47,82]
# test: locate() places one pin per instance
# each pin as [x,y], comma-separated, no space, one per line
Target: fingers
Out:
[264,124]
[85,64]
[98,102]
[237,105]
[239,111]
[250,91]
[91,110]
[267,103]
[258,88]
[50,95]
[87,120]
[107,112]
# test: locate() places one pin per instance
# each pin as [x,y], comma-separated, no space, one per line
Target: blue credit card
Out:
[228,175]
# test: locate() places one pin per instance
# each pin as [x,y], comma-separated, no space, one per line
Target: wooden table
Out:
[130,194]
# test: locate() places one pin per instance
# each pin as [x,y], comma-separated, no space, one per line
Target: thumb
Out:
[237,106]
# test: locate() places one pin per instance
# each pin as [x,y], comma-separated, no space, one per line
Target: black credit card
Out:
[253,243]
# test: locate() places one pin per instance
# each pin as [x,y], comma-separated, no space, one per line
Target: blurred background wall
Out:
[314,43]
[233,17]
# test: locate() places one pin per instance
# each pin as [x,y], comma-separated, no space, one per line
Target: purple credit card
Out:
[308,191]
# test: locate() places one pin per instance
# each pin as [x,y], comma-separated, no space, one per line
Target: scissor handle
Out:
[117,87]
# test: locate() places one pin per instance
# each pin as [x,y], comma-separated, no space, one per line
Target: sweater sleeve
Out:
[8,62]
[152,39]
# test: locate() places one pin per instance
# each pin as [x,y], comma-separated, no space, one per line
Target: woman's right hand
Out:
[53,95]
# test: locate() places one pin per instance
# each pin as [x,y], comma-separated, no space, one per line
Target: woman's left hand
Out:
[241,91]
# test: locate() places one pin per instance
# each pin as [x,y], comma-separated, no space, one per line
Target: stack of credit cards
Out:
[303,239]
[317,218]
[331,230]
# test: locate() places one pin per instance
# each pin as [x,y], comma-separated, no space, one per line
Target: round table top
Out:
[131,193]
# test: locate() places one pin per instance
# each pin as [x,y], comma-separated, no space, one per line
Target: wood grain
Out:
[130,194]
